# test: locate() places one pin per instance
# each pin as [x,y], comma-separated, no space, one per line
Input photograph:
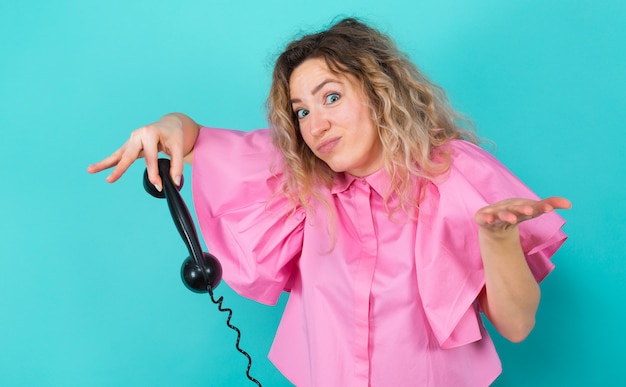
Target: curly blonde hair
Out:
[413,115]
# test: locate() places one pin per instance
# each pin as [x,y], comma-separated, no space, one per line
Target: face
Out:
[334,118]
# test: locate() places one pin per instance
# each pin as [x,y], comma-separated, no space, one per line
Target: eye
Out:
[301,113]
[332,98]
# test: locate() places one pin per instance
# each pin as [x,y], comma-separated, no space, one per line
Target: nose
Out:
[319,122]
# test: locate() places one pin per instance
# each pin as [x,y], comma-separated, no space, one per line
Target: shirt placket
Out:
[363,282]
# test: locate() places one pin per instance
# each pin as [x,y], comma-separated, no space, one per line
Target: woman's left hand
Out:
[511,295]
[508,213]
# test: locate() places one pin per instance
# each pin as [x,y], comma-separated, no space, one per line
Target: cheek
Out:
[357,114]
[302,134]
[305,139]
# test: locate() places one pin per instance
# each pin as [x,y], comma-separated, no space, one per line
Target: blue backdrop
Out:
[90,293]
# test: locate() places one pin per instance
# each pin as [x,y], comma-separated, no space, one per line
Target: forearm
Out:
[511,295]
[190,133]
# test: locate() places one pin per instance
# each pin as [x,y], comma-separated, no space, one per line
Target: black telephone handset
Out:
[201,272]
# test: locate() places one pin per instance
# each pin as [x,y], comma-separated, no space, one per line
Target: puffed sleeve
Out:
[449,264]
[255,232]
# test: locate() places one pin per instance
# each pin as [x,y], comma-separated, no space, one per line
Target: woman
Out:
[369,203]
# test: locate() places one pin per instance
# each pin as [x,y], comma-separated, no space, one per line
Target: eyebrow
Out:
[316,89]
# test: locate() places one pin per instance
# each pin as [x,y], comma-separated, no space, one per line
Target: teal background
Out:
[90,293]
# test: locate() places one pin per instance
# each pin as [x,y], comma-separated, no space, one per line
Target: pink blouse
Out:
[374,300]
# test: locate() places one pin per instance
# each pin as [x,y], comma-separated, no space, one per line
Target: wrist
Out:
[499,235]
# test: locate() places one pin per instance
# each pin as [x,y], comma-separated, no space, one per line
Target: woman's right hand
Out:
[174,135]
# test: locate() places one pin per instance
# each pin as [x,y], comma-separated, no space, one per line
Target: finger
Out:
[103,164]
[176,162]
[128,157]
[558,202]
[507,216]
[484,218]
[128,154]
[151,154]
[525,209]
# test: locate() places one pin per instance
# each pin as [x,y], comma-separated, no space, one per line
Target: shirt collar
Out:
[379,181]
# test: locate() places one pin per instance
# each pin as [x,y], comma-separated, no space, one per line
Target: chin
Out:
[338,169]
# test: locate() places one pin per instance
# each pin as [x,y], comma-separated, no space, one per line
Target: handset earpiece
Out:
[200,270]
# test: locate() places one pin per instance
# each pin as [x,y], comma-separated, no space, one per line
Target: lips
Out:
[328,145]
